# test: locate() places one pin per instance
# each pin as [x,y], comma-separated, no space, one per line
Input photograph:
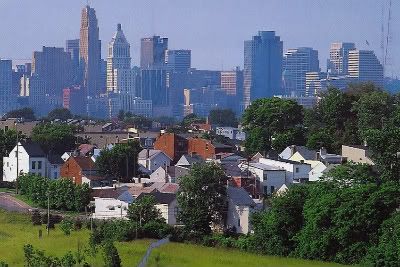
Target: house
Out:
[30,159]
[187,161]
[228,157]
[271,177]
[357,154]
[244,178]
[231,133]
[207,148]
[240,208]
[173,145]
[86,149]
[111,203]
[81,170]
[327,158]
[170,174]
[166,204]
[298,153]
[296,172]
[152,159]
[54,163]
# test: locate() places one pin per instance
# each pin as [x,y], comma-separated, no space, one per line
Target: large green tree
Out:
[54,138]
[223,117]
[202,198]
[271,118]
[120,161]
[60,113]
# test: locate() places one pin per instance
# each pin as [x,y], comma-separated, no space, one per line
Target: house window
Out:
[39,165]
[265,190]
[297,169]
[33,165]
[238,223]
[6,128]
[55,174]
[206,146]
[8,165]
[272,189]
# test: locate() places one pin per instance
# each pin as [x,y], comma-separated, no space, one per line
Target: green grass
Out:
[17,230]
[7,190]
[182,255]
[25,199]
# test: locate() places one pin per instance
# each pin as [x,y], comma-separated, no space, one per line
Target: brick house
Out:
[173,145]
[206,148]
[76,168]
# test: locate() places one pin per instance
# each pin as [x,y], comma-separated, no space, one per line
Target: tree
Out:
[192,118]
[223,117]
[24,113]
[60,113]
[110,255]
[117,161]
[143,211]
[269,117]
[54,138]
[202,198]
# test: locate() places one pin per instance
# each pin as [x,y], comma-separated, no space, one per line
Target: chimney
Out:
[292,150]
[322,151]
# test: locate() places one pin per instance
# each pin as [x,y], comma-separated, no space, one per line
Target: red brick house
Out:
[206,148]
[173,145]
[77,167]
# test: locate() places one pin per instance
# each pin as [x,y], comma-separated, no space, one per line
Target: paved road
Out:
[9,203]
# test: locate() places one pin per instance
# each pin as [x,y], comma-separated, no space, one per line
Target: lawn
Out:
[17,230]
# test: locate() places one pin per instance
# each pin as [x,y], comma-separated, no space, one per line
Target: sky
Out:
[213,29]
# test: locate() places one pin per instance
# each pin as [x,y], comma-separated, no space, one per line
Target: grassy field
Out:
[17,230]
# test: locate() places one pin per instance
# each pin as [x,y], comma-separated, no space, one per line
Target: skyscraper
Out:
[118,60]
[339,57]
[178,60]
[152,52]
[7,99]
[89,49]
[364,66]
[296,63]
[262,66]
[54,67]
[72,47]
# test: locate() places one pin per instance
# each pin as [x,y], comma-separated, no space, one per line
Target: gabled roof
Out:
[161,198]
[85,148]
[220,145]
[55,159]
[239,196]
[306,153]
[151,153]
[33,149]
[170,188]
[86,163]
[187,160]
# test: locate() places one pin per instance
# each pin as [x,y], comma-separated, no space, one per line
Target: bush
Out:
[66,226]
[3,264]
[78,224]
[110,255]
[36,217]
[54,219]
[156,230]
[178,234]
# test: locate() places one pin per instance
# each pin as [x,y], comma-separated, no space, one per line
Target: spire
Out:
[119,27]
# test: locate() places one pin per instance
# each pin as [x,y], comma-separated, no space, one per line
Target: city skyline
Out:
[186,28]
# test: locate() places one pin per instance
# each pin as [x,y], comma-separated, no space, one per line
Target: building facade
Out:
[153,51]
[7,100]
[178,60]
[338,63]
[364,66]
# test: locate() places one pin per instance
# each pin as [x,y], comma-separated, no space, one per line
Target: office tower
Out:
[201,101]
[315,83]
[119,72]
[152,52]
[178,60]
[7,98]
[296,63]
[72,47]
[89,49]
[34,88]
[339,57]
[262,66]
[53,66]
[154,86]
[74,100]
[232,85]
[364,66]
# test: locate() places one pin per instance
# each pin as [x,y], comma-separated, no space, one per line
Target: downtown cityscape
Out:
[249,133]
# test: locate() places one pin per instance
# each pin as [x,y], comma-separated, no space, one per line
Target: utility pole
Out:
[16,181]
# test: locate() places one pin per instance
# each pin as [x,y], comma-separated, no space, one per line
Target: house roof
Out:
[239,196]
[161,198]
[137,190]
[233,170]
[55,159]
[152,153]
[86,163]
[303,151]
[170,188]
[108,192]
[189,160]
[85,148]
[33,149]
[176,171]
[264,167]
[220,145]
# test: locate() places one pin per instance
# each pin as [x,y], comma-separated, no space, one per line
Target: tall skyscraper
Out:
[262,66]
[54,67]
[7,99]
[118,61]
[89,49]
[152,52]
[364,66]
[232,85]
[296,63]
[178,60]
[72,47]
[339,58]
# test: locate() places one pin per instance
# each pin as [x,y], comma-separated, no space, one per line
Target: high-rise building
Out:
[296,63]
[72,47]
[118,63]
[7,98]
[89,49]
[178,60]
[232,85]
[262,66]
[74,100]
[152,52]
[339,58]
[53,66]
[154,86]
[364,66]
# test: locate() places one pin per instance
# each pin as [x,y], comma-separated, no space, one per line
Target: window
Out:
[297,169]
[33,165]
[238,222]
[6,128]
[206,146]
[265,190]
[55,174]
[39,165]
[272,189]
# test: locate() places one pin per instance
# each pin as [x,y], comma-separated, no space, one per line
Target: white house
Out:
[111,202]
[296,172]
[166,204]
[357,154]
[152,159]
[240,208]
[31,159]
[231,132]
[271,177]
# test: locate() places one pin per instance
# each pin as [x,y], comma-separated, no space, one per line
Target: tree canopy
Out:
[143,211]
[60,113]
[223,117]
[54,138]
[24,113]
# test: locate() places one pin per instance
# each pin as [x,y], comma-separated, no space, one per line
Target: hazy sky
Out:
[213,29]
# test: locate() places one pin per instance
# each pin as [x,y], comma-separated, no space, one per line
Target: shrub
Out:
[66,226]
[36,217]
[110,255]
[54,219]
[156,230]
[3,264]
[78,224]
[68,260]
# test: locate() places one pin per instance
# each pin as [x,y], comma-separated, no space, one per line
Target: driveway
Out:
[9,203]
